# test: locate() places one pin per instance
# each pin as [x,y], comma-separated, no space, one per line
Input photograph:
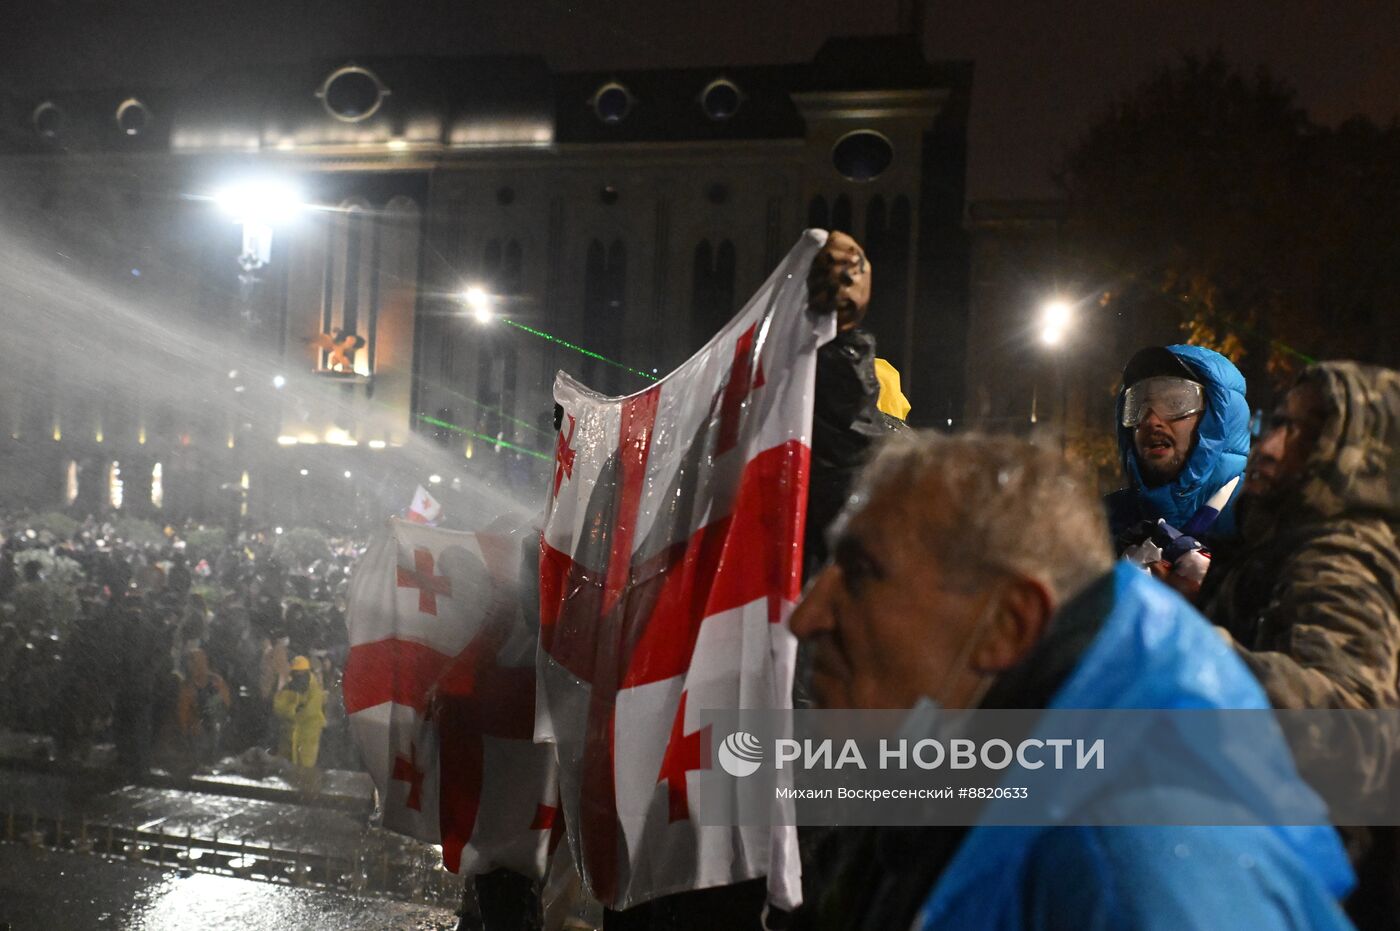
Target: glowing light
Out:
[1056,317]
[286,440]
[279,381]
[57,433]
[157,486]
[141,435]
[434,479]
[277,530]
[338,436]
[233,373]
[478,302]
[230,441]
[259,202]
[377,444]
[348,473]
[115,485]
[398,145]
[305,471]
[97,436]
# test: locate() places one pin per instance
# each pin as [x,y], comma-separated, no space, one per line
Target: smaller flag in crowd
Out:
[440,692]
[424,509]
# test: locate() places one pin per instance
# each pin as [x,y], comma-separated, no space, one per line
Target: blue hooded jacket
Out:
[1222,447]
[1152,652]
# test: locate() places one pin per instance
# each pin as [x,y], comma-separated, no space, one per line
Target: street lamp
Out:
[478,301]
[258,206]
[1056,319]
[1056,316]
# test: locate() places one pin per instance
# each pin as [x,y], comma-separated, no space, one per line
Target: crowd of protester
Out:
[182,650]
[1278,546]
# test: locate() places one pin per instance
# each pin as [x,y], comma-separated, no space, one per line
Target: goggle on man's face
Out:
[1163,412]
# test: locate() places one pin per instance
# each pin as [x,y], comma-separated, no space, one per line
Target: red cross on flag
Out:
[440,690]
[424,508]
[670,562]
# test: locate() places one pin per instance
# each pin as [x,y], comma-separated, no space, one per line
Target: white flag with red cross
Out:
[424,508]
[440,691]
[671,560]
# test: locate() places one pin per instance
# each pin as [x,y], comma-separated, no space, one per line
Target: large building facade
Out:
[302,367]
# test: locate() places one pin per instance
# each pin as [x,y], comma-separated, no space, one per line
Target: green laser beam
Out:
[568,345]
[496,410]
[484,438]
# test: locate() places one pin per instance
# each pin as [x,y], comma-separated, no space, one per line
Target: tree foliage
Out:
[1207,198]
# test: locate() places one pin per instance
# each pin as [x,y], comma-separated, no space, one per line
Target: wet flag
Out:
[671,560]
[440,691]
[424,508]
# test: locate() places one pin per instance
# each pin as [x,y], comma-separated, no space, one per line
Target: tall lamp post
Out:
[257,206]
[1056,319]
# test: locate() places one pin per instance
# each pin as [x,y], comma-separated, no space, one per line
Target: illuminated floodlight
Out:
[285,440]
[279,381]
[434,479]
[1056,317]
[347,473]
[377,444]
[305,471]
[277,530]
[263,203]
[478,302]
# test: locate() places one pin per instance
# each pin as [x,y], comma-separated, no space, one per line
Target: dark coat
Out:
[846,426]
[1313,597]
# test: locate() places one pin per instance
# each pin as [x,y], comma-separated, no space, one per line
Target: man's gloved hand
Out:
[839,281]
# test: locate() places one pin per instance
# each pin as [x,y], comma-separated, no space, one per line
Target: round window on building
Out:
[133,117]
[352,94]
[721,99]
[48,120]
[612,102]
[862,155]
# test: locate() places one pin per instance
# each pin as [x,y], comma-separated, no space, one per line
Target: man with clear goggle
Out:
[1168,397]
[1183,435]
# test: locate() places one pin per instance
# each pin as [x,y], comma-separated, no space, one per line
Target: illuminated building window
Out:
[157,486]
[114,485]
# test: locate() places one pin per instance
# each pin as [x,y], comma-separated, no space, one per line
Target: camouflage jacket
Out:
[1313,596]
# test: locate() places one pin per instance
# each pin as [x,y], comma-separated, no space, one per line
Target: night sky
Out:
[1043,69]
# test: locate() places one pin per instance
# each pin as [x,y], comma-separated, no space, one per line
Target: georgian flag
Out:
[671,561]
[440,691]
[424,508]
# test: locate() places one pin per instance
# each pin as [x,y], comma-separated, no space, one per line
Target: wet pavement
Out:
[49,890]
[88,850]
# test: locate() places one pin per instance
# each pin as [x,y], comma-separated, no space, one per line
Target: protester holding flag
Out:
[671,559]
[439,688]
[857,400]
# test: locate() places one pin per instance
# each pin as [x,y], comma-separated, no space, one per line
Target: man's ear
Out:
[1021,620]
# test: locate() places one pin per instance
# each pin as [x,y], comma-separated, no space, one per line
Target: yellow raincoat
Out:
[303,717]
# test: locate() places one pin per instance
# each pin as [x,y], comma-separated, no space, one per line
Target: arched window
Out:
[712,291]
[604,310]
[841,214]
[887,241]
